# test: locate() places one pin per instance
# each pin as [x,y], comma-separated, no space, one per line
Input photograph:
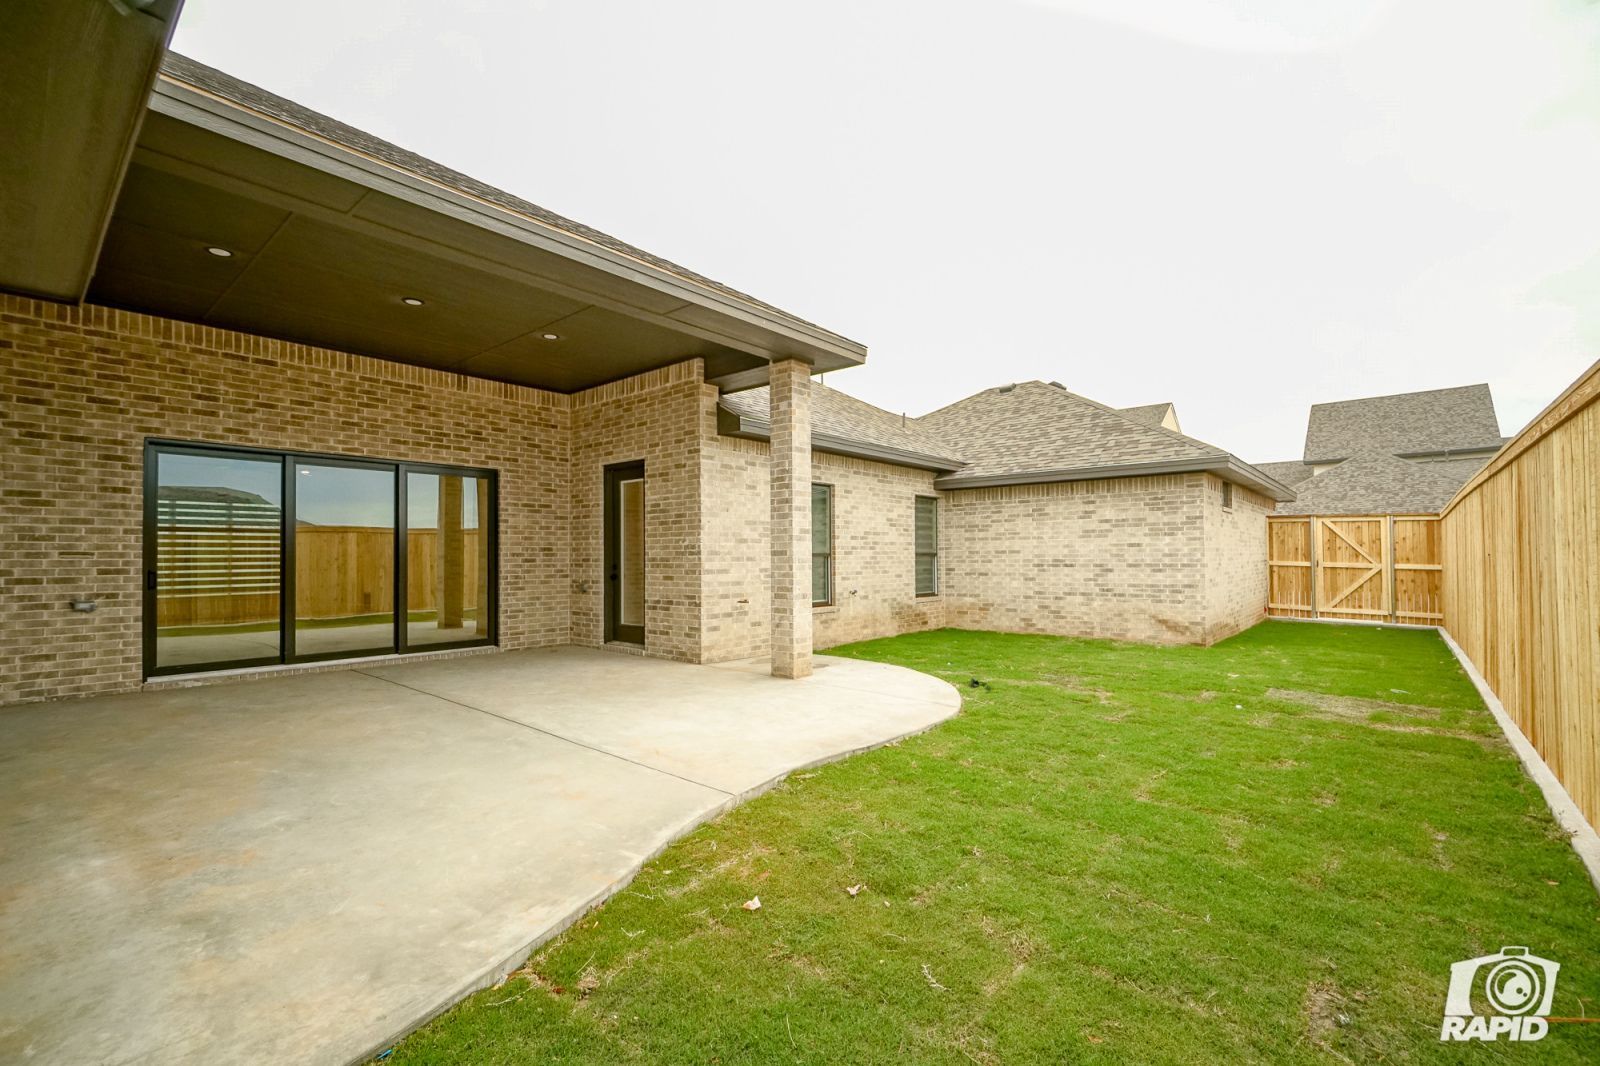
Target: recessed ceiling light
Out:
[220,252]
[551,336]
[411,300]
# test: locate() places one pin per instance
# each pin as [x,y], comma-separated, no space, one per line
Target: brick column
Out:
[790,421]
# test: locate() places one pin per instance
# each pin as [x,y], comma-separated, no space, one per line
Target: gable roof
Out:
[842,424]
[1038,431]
[1378,483]
[1408,423]
[1154,414]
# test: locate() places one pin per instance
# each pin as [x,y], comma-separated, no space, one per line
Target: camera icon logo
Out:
[1515,988]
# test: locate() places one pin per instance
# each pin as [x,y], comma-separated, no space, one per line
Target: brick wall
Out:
[653,418]
[83,388]
[1236,559]
[874,594]
[736,575]
[874,551]
[1120,558]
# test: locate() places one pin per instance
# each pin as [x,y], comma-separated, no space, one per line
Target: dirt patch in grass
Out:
[1324,1012]
[1350,708]
[1363,711]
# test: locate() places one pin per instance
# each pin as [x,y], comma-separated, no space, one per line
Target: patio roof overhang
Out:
[73,86]
[331,236]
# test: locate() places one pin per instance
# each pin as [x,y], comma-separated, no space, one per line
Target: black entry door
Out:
[624,553]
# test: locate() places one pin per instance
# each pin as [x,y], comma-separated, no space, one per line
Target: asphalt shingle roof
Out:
[1151,413]
[182,68]
[1290,473]
[1375,483]
[841,415]
[1405,424]
[1036,426]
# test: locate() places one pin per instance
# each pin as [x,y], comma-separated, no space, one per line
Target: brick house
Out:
[286,395]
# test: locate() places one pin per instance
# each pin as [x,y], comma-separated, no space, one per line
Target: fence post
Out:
[1313,531]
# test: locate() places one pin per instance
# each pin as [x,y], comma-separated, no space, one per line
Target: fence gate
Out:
[1357,568]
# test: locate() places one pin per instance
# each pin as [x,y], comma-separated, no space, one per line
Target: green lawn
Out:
[1266,851]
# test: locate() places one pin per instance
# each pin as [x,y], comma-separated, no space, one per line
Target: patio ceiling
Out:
[245,211]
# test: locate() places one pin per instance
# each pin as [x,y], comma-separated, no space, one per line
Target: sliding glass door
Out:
[344,559]
[214,553]
[254,557]
[447,558]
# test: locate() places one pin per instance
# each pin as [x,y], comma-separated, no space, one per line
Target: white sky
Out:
[1242,206]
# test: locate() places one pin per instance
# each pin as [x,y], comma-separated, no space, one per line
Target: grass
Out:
[1266,851]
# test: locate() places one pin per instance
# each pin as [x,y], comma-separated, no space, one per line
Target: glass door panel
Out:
[218,529]
[344,550]
[447,558]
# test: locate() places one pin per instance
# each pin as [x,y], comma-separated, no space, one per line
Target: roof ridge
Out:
[1413,392]
[1210,449]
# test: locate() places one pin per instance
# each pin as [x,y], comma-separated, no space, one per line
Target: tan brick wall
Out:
[1236,559]
[874,551]
[874,592]
[1120,558]
[654,418]
[736,579]
[81,389]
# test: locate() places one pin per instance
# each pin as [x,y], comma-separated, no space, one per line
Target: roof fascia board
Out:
[186,103]
[1224,466]
[732,424]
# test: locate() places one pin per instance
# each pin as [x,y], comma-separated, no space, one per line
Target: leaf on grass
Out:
[854,890]
[752,904]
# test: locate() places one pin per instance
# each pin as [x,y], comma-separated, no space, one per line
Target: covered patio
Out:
[302,868]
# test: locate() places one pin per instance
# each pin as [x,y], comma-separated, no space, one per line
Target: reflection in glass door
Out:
[344,551]
[214,574]
[256,557]
[447,558]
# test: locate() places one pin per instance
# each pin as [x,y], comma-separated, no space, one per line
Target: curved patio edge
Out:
[919,701]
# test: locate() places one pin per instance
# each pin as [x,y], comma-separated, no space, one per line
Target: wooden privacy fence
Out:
[1355,568]
[1522,584]
[227,573]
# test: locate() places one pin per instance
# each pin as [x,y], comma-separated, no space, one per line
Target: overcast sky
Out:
[1241,206]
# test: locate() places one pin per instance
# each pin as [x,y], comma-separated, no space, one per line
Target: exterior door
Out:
[624,553]
[256,557]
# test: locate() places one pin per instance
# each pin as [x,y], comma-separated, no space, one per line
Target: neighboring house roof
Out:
[209,494]
[244,94]
[1038,431]
[843,424]
[1290,472]
[1376,483]
[1410,423]
[1164,415]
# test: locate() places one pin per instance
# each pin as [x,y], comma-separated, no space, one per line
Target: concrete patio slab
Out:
[301,869]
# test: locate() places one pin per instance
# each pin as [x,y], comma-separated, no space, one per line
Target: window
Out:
[256,557]
[927,538]
[1227,495]
[821,545]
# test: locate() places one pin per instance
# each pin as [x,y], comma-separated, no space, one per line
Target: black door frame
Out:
[289,461]
[615,475]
